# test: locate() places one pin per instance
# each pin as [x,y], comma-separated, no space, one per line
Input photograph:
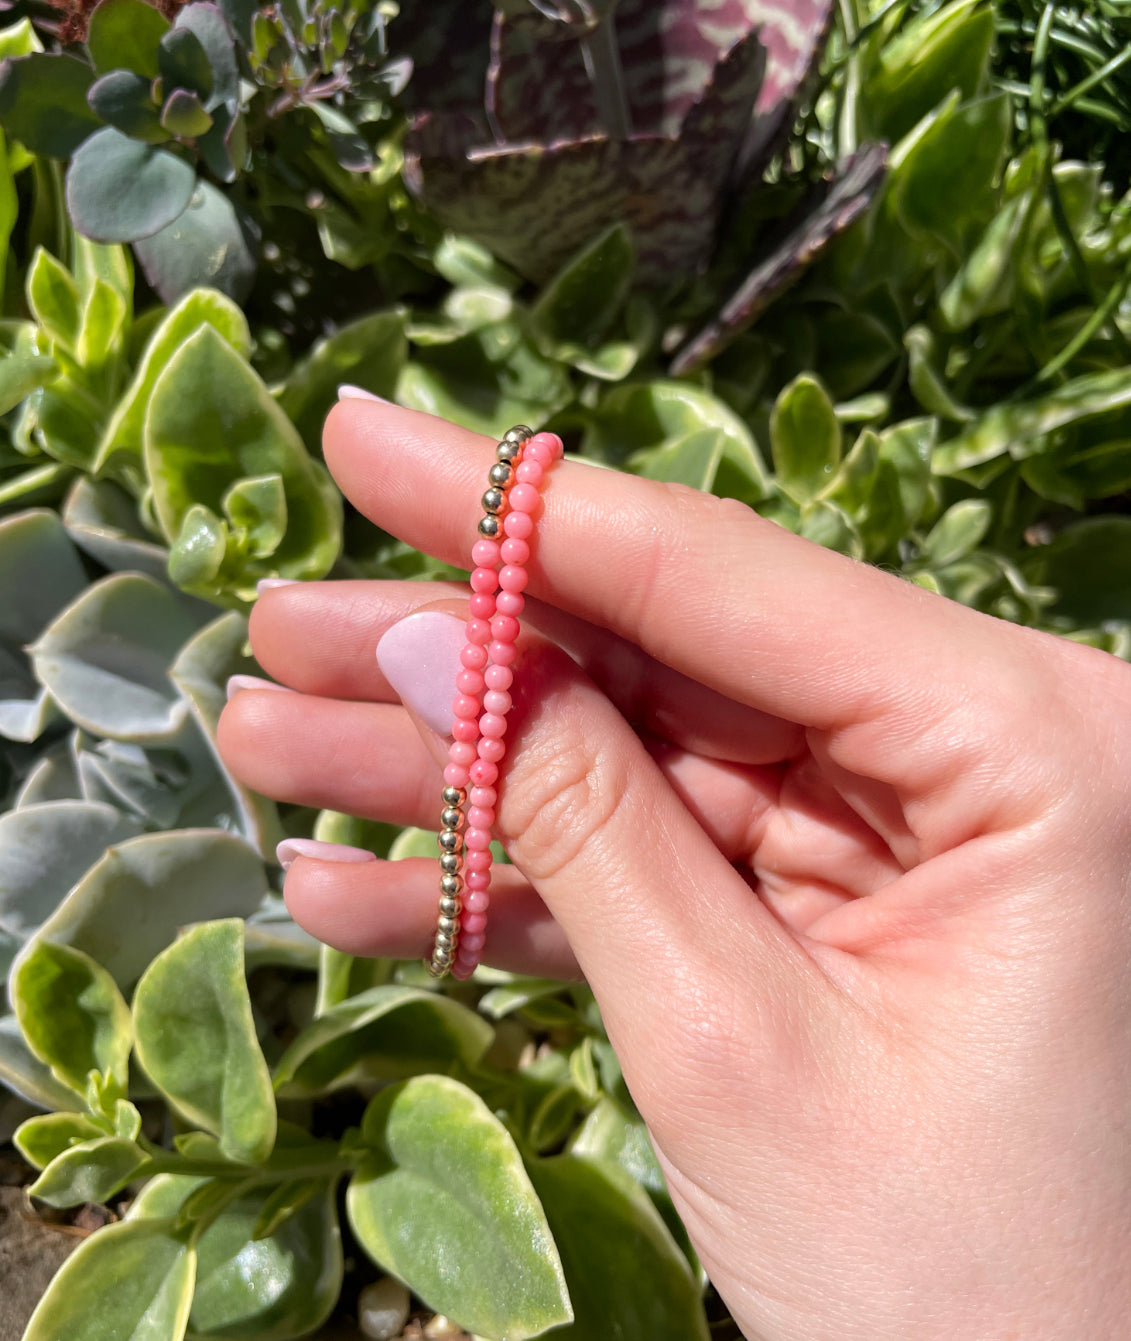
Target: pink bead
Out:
[478,863]
[504,628]
[544,442]
[482,605]
[477,840]
[484,773]
[465,728]
[462,969]
[482,796]
[472,944]
[498,702]
[473,923]
[513,578]
[473,656]
[470,681]
[477,900]
[493,726]
[515,551]
[460,752]
[480,817]
[463,705]
[523,498]
[456,775]
[498,677]
[478,631]
[539,456]
[530,472]
[484,579]
[519,525]
[491,749]
[485,553]
[510,603]
[502,654]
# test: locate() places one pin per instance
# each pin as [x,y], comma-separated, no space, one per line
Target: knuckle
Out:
[563,796]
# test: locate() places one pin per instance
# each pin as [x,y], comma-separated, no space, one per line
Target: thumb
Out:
[644,897]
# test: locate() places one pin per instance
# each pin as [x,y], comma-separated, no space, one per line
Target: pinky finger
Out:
[389,909]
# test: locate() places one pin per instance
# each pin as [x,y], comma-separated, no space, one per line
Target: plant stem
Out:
[1055,365]
[602,65]
[1086,85]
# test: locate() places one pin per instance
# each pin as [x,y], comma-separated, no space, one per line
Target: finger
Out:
[320,638]
[388,909]
[709,588]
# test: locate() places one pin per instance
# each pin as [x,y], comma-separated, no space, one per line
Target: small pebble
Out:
[443,1329]
[382,1309]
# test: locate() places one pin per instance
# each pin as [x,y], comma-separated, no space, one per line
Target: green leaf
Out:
[209,27]
[105,658]
[89,1172]
[121,190]
[444,1203]
[805,437]
[122,442]
[627,1277]
[197,553]
[42,1139]
[369,353]
[1020,428]
[384,1033]
[209,244]
[184,63]
[43,103]
[102,326]
[1088,566]
[259,507]
[461,261]
[72,1015]
[211,422]
[133,1279]
[184,116]
[693,460]
[19,377]
[959,530]
[53,297]
[19,39]
[196,1039]
[581,302]
[124,34]
[123,100]
[276,1287]
[155,884]
[25,1074]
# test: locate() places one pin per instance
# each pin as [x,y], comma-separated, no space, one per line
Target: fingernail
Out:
[420,658]
[290,848]
[348,392]
[267,583]
[238,682]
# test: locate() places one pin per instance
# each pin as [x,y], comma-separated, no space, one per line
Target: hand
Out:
[845,864]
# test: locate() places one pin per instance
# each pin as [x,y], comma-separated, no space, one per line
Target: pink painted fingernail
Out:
[348,392]
[291,848]
[268,583]
[238,682]
[420,658]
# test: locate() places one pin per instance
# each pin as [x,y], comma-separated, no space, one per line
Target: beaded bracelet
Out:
[482,701]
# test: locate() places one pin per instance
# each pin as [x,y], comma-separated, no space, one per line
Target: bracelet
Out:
[482,701]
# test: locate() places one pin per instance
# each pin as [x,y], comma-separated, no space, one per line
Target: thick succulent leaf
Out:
[120,189]
[123,441]
[72,1015]
[183,115]
[837,205]
[201,672]
[47,849]
[91,1171]
[19,39]
[133,1279]
[209,27]
[26,1075]
[957,532]
[103,521]
[196,1040]
[123,100]
[43,103]
[581,302]
[652,417]
[210,244]
[805,437]
[155,884]
[54,778]
[105,659]
[40,574]
[369,353]
[626,1275]
[20,375]
[42,1139]
[445,1204]
[1088,566]
[125,34]
[53,297]
[212,422]
[384,1033]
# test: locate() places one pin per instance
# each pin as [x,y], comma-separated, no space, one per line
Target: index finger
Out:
[703,584]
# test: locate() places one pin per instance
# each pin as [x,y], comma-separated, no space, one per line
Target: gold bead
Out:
[446,926]
[451,817]
[453,796]
[451,885]
[449,841]
[506,452]
[451,863]
[449,906]
[500,475]
[489,527]
[519,435]
[493,501]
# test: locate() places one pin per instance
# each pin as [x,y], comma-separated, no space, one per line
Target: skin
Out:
[845,864]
